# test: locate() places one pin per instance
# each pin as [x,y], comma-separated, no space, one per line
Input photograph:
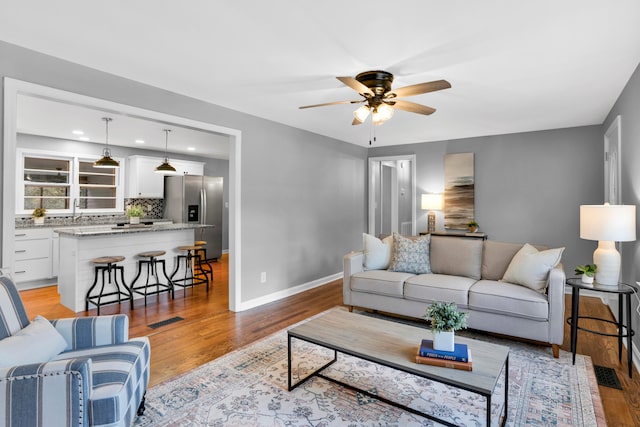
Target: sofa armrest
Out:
[87,332]
[37,392]
[353,263]
[555,293]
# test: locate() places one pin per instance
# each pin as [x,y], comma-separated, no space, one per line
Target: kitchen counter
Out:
[112,229]
[79,245]
[86,222]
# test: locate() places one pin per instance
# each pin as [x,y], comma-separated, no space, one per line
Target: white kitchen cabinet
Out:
[33,257]
[143,182]
[55,254]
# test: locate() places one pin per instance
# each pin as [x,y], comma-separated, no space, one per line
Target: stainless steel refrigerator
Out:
[195,199]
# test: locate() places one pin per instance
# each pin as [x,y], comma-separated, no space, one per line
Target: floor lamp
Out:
[607,224]
[431,202]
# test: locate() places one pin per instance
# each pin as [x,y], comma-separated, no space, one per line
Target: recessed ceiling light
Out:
[139,141]
[77,132]
[84,138]
[191,148]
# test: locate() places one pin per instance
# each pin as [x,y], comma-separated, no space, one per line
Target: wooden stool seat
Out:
[189,247]
[151,254]
[200,242]
[107,259]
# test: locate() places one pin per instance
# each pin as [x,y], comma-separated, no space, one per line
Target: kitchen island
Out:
[79,245]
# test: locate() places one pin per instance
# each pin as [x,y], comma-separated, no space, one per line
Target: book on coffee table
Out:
[459,353]
[464,366]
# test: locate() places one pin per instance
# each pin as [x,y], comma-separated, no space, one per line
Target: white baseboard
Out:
[246,305]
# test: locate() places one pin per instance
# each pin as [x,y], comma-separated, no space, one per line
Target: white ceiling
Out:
[514,66]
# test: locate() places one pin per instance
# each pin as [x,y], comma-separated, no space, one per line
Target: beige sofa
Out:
[468,272]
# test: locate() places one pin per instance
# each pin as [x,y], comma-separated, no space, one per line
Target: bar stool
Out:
[203,257]
[191,263]
[107,264]
[151,260]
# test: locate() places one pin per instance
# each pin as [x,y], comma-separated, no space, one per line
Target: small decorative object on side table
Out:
[587,273]
[624,330]
[445,320]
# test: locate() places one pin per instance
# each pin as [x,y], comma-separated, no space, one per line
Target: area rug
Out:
[248,387]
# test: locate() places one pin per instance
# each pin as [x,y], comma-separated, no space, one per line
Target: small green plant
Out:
[39,212]
[444,317]
[472,224]
[135,211]
[588,270]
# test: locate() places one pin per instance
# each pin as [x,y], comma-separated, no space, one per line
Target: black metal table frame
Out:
[318,373]
[623,330]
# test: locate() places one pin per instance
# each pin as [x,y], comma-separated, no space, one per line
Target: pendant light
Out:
[166,168]
[106,161]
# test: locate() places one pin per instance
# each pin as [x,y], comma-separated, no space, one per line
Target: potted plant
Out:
[473,226]
[134,213]
[587,272]
[445,320]
[38,215]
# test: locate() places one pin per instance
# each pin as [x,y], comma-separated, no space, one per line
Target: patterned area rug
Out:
[248,387]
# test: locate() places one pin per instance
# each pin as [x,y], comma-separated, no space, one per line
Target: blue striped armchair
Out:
[70,372]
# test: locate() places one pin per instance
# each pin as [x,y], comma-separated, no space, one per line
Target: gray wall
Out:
[628,107]
[528,186]
[303,195]
[212,167]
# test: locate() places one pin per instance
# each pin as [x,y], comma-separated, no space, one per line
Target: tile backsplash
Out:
[153,209]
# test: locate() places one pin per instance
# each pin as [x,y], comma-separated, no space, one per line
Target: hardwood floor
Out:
[210,330]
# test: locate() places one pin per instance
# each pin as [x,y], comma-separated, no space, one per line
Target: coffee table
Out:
[394,345]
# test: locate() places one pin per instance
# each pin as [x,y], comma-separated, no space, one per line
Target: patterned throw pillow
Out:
[411,256]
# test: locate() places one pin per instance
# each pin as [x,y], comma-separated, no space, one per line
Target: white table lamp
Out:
[607,224]
[431,202]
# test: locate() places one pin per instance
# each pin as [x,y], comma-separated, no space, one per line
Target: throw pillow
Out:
[411,256]
[36,343]
[377,253]
[530,267]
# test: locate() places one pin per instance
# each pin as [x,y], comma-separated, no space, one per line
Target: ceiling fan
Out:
[380,99]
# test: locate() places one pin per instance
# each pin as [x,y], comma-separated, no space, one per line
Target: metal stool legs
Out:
[152,270]
[122,293]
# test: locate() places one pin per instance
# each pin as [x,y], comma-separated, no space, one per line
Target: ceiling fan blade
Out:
[418,89]
[355,85]
[332,103]
[412,107]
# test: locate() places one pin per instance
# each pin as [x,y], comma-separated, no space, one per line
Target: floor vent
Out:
[607,377]
[165,322]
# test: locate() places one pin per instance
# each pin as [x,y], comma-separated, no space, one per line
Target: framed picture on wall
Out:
[459,190]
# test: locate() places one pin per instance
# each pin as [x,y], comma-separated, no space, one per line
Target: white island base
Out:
[78,249]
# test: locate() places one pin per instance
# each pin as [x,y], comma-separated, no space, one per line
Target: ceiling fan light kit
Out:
[381,101]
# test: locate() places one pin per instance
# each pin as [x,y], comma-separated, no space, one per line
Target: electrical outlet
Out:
[263,277]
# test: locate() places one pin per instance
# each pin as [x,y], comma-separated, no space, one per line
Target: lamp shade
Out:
[431,202]
[616,223]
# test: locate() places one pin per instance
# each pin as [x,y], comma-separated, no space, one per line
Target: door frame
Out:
[13,88]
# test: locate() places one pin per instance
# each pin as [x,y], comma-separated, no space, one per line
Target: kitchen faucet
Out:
[76,204]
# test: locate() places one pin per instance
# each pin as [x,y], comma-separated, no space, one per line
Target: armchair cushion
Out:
[36,343]
[87,332]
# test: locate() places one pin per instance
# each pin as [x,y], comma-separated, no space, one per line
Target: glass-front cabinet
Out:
[65,183]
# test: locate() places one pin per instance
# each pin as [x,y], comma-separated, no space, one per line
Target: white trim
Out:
[410,158]
[14,87]
[256,302]
[613,135]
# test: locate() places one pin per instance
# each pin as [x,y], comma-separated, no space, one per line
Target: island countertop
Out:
[111,229]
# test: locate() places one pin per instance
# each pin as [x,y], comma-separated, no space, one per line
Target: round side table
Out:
[623,290]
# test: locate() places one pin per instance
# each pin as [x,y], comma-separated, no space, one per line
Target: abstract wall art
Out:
[459,190]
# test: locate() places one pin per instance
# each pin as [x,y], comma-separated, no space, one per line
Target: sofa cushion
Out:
[456,256]
[117,382]
[38,342]
[377,253]
[381,282]
[530,267]
[508,299]
[438,287]
[496,257]
[410,255]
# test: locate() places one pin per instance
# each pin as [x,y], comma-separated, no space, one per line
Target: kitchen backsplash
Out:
[153,209]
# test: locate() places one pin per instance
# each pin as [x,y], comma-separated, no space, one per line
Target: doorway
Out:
[13,88]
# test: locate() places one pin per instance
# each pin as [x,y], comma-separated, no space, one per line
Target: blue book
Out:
[460,352]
